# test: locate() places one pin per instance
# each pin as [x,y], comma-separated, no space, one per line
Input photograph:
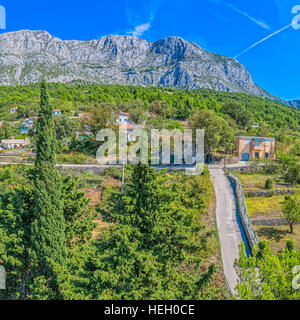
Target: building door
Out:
[256,155]
[267,155]
[245,156]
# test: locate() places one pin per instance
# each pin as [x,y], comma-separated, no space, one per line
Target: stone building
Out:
[251,148]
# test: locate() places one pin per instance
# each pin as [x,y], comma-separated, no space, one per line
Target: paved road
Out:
[229,232]
[174,167]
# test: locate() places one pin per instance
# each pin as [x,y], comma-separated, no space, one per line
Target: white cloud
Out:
[258,22]
[140,30]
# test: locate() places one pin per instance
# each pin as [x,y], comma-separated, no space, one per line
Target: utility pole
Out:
[224,155]
[124,151]
[123,174]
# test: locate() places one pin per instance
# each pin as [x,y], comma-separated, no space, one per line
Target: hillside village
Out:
[245,148]
[149,156]
[251,178]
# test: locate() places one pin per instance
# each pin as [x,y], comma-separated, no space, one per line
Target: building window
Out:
[256,155]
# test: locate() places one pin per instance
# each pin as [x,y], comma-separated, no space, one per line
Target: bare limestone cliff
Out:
[27,56]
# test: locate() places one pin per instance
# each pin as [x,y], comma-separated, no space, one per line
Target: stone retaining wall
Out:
[270,222]
[79,170]
[243,214]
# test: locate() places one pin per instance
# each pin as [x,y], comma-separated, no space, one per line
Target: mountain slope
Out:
[294,103]
[26,56]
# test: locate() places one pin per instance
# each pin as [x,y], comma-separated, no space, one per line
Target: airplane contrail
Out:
[263,40]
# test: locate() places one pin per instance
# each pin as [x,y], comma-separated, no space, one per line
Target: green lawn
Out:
[264,207]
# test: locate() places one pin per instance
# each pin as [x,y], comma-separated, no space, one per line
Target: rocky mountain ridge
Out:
[28,56]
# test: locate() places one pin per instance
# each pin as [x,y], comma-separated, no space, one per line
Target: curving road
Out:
[228,228]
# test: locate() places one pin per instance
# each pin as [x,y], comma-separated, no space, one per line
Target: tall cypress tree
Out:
[48,228]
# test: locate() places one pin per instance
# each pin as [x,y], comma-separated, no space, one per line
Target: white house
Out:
[28,122]
[13,110]
[14,143]
[123,117]
[56,112]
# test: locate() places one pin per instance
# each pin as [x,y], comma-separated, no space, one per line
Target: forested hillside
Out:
[81,97]
[156,232]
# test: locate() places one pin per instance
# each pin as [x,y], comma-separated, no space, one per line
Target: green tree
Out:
[22,112]
[269,184]
[265,275]
[157,122]
[7,131]
[137,110]
[151,251]
[291,210]
[100,117]
[78,218]
[161,108]
[218,133]
[296,149]
[239,113]
[45,226]
[65,127]
[293,173]
[48,227]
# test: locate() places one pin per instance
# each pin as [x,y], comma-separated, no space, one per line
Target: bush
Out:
[114,172]
[290,245]
[74,158]
[269,184]
[292,175]
[262,245]
[271,167]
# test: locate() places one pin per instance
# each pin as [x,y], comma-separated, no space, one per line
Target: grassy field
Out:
[268,207]
[261,207]
[256,181]
[278,236]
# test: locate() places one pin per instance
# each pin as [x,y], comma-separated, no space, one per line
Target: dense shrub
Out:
[290,245]
[269,184]
[114,172]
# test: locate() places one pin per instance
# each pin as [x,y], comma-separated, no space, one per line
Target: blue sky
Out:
[223,26]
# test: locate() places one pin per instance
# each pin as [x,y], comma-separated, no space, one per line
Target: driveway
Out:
[228,228]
